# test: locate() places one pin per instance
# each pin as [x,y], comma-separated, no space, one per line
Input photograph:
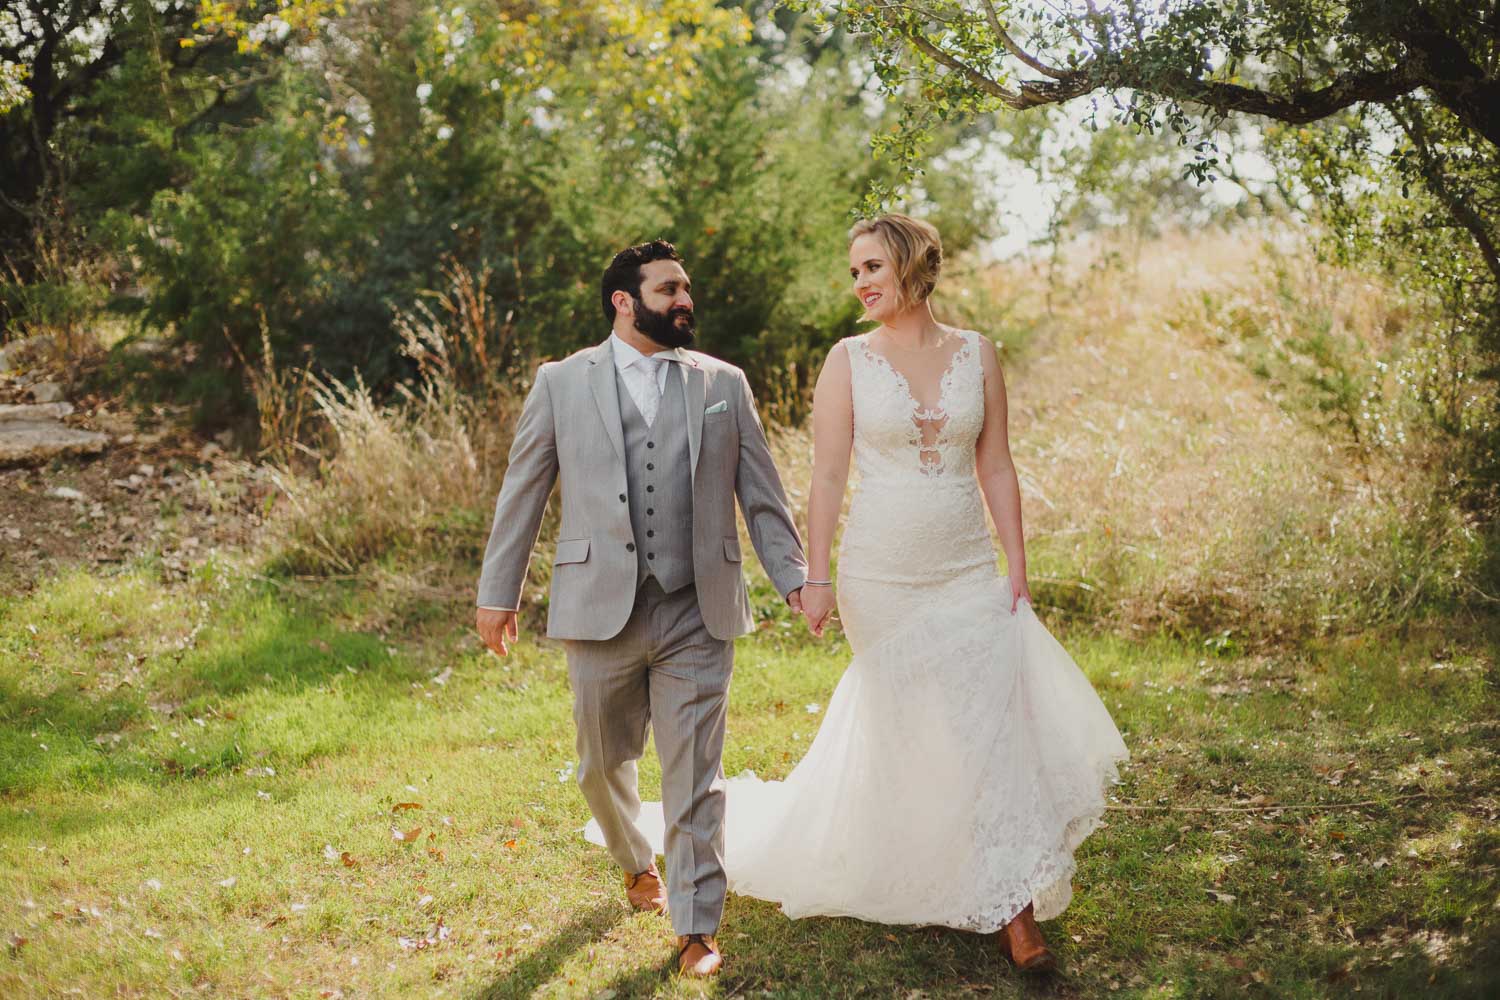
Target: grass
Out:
[186,766]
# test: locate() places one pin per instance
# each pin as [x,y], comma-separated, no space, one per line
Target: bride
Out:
[964,756]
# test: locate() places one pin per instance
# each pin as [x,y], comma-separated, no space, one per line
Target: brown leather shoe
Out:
[1021,942]
[698,955]
[645,891]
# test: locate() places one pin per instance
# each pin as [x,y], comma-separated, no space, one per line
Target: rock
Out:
[47,392]
[145,348]
[25,352]
[65,493]
[30,441]
[35,411]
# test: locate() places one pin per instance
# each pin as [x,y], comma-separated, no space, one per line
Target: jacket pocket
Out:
[732,549]
[573,550]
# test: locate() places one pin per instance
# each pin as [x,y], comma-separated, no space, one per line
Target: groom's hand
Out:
[497,629]
[794,600]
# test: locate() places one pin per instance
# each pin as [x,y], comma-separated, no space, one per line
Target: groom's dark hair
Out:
[624,272]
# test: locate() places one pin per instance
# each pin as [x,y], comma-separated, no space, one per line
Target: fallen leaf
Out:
[401,806]
[348,860]
[433,852]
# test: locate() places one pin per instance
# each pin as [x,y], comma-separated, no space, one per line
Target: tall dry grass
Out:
[1231,439]
[410,477]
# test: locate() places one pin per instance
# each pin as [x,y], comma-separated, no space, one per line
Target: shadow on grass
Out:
[77,729]
[539,967]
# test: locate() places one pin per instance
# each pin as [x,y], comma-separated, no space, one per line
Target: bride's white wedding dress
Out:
[964,756]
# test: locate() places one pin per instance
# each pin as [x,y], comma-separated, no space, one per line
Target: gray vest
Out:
[660,478]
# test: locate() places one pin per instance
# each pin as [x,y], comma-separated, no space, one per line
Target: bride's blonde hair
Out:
[915,249]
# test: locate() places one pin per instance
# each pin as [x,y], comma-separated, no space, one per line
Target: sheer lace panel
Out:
[938,427]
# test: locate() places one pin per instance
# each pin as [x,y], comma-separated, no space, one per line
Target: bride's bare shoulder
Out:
[838,355]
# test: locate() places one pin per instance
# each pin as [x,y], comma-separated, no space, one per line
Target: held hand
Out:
[1019,591]
[794,600]
[497,629]
[817,608]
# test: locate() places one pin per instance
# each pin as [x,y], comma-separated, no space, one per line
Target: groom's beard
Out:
[663,327]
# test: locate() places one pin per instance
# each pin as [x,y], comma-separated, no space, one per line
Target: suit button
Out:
[622,498]
[650,511]
[630,546]
[650,534]
[650,489]
[650,444]
[650,467]
[650,555]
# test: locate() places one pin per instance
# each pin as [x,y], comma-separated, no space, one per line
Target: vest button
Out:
[650,444]
[650,489]
[650,467]
[622,498]
[650,511]
[650,555]
[650,533]
[630,546]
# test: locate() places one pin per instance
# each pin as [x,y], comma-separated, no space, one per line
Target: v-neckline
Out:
[938,409]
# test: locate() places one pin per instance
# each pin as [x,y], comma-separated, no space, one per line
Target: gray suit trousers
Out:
[666,670]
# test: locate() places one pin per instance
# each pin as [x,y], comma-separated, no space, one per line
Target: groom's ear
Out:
[623,303]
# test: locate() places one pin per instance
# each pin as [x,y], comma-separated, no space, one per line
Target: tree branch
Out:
[993,16]
[1298,107]
[978,79]
[1457,206]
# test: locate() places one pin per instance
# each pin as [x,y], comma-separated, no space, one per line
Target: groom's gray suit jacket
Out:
[570,433]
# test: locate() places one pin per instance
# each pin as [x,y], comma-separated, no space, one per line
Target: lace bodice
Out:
[917,514]
[896,436]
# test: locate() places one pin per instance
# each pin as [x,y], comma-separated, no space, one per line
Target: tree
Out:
[1185,65]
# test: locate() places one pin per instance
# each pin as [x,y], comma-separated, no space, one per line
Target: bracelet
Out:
[818,583]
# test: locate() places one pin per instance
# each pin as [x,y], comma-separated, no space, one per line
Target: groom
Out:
[651,444]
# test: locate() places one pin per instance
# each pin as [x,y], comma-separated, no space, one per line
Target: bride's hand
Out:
[817,607]
[1019,591]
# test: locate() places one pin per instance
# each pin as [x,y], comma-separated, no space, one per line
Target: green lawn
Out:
[203,784]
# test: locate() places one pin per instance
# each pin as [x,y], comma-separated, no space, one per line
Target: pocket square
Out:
[718,407]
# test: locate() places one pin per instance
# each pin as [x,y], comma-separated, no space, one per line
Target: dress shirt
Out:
[634,374]
[628,362]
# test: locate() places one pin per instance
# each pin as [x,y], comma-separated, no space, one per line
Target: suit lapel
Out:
[606,395]
[696,386]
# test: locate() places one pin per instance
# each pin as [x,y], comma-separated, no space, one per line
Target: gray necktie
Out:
[651,394]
